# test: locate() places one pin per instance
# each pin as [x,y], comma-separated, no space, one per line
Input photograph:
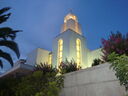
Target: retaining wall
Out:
[94,81]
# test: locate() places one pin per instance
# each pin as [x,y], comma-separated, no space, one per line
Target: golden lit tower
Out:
[70,43]
[71,22]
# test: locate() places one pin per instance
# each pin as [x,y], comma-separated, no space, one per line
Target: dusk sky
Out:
[41,20]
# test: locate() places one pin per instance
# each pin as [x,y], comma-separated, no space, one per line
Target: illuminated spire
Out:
[70,11]
[71,22]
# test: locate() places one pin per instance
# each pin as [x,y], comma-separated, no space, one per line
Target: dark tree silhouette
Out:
[7,36]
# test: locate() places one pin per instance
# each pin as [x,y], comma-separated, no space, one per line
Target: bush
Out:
[46,68]
[43,81]
[52,90]
[38,83]
[97,62]
[66,67]
[117,43]
[8,86]
[119,63]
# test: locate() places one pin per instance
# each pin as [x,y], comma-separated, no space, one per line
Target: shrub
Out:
[97,62]
[46,68]
[8,86]
[119,63]
[43,81]
[117,43]
[52,90]
[66,66]
[38,84]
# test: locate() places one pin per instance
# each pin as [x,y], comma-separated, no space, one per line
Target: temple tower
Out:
[70,43]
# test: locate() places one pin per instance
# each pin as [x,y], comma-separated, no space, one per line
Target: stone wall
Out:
[94,81]
[37,56]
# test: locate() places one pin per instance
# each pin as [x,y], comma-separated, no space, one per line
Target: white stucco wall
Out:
[95,54]
[37,56]
[69,47]
[94,81]
[42,56]
[31,58]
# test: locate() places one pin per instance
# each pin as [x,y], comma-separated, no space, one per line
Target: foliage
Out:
[4,17]
[119,63]
[97,62]
[66,66]
[45,67]
[8,85]
[117,43]
[39,83]
[39,94]
[52,90]
[7,36]
[34,84]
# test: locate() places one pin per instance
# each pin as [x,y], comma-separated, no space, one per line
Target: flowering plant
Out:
[117,43]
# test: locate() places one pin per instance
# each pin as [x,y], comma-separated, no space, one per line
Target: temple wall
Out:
[94,81]
[95,54]
[37,56]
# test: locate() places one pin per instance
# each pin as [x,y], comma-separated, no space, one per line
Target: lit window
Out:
[78,52]
[60,51]
[61,48]
[50,59]
[70,16]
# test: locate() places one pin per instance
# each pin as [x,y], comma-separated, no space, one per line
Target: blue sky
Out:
[41,20]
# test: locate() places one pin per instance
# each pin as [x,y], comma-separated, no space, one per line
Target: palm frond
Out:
[1,64]
[6,56]
[4,10]
[7,32]
[12,45]
[4,17]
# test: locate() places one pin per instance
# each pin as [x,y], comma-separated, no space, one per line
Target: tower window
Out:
[50,59]
[78,52]
[60,51]
[70,16]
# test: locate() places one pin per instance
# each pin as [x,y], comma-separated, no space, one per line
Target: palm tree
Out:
[7,36]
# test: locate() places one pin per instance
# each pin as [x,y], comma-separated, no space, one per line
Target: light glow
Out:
[50,59]
[78,52]
[71,22]
[70,16]
[60,51]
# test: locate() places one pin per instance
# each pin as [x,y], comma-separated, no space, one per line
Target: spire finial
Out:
[70,10]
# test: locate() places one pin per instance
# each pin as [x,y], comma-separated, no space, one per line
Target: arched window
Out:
[60,51]
[50,59]
[78,52]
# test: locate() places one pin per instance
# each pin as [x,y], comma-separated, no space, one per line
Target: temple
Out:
[69,44]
